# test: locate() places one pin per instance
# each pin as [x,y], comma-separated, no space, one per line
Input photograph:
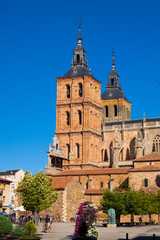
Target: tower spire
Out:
[113,62]
[80,36]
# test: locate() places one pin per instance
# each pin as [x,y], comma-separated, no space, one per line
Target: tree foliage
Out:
[36,192]
[130,202]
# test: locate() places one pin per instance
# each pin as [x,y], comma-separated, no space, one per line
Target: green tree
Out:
[113,200]
[36,193]
[148,203]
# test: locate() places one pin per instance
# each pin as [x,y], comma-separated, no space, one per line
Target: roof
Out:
[154,156]
[5,180]
[61,182]
[94,191]
[78,71]
[100,171]
[113,92]
[145,168]
[152,189]
[9,172]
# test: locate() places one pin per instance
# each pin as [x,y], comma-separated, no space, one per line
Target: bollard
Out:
[154,237]
[127,236]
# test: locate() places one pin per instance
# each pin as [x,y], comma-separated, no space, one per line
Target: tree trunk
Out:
[35,217]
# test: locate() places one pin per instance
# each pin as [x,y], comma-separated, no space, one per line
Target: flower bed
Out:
[85,227]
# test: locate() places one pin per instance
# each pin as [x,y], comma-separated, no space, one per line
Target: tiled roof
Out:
[94,191]
[94,171]
[5,180]
[9,172]
[145,168]
[152,189]
[154,156]
[61,182]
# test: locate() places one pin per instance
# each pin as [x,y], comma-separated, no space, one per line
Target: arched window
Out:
[77,150]
[133,149]
[112,81]
[56,146]
[67,118]
[156,144]
[68,150]
[80,117]
[80,89]
[68,90]
[106,108]
[78,58]
[115,110]
[146,182]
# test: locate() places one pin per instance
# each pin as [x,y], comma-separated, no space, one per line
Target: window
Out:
[106,108]
[56,146]
[115,110]
[101,184]
[77,150]
[80,117]
[78,58]
[146,182]
[112,81]
[68,150]
[80,89]
[68,90]
[68,120]
[156,144]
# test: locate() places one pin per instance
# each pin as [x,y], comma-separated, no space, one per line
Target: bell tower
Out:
[115,105]
[78,111]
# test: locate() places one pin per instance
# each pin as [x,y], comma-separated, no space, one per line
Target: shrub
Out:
[29,237]
[30,228]
[17,231]
[5,225]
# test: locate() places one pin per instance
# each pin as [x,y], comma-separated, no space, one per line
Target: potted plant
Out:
[85,222]
[5,227]
[29,231]
[15,233]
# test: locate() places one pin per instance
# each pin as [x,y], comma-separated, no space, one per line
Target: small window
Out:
[80,89]
[80,117]
[101,184]
[67,118]
[106,108]
[68,150]
[68,90]
[56,146]
[146,182]
[77,148]
[78,58]
[115,110]
[112,81]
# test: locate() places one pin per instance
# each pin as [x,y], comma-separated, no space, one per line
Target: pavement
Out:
[64,231]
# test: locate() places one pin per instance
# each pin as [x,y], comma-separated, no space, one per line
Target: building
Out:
[96,143]
[4,195]
[14,176]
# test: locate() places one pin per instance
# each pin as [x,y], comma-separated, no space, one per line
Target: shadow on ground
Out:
[141,238]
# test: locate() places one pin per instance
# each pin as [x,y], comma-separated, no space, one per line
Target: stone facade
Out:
[97,145]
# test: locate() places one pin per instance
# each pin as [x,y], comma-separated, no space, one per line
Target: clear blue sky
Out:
[36,43]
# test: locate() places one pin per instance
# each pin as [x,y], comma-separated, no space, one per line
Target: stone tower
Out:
[115,105]
[78,111]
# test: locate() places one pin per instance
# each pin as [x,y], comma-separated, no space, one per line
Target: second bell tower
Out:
[78,111]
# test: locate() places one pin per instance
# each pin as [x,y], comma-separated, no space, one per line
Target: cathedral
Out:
[96,144]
